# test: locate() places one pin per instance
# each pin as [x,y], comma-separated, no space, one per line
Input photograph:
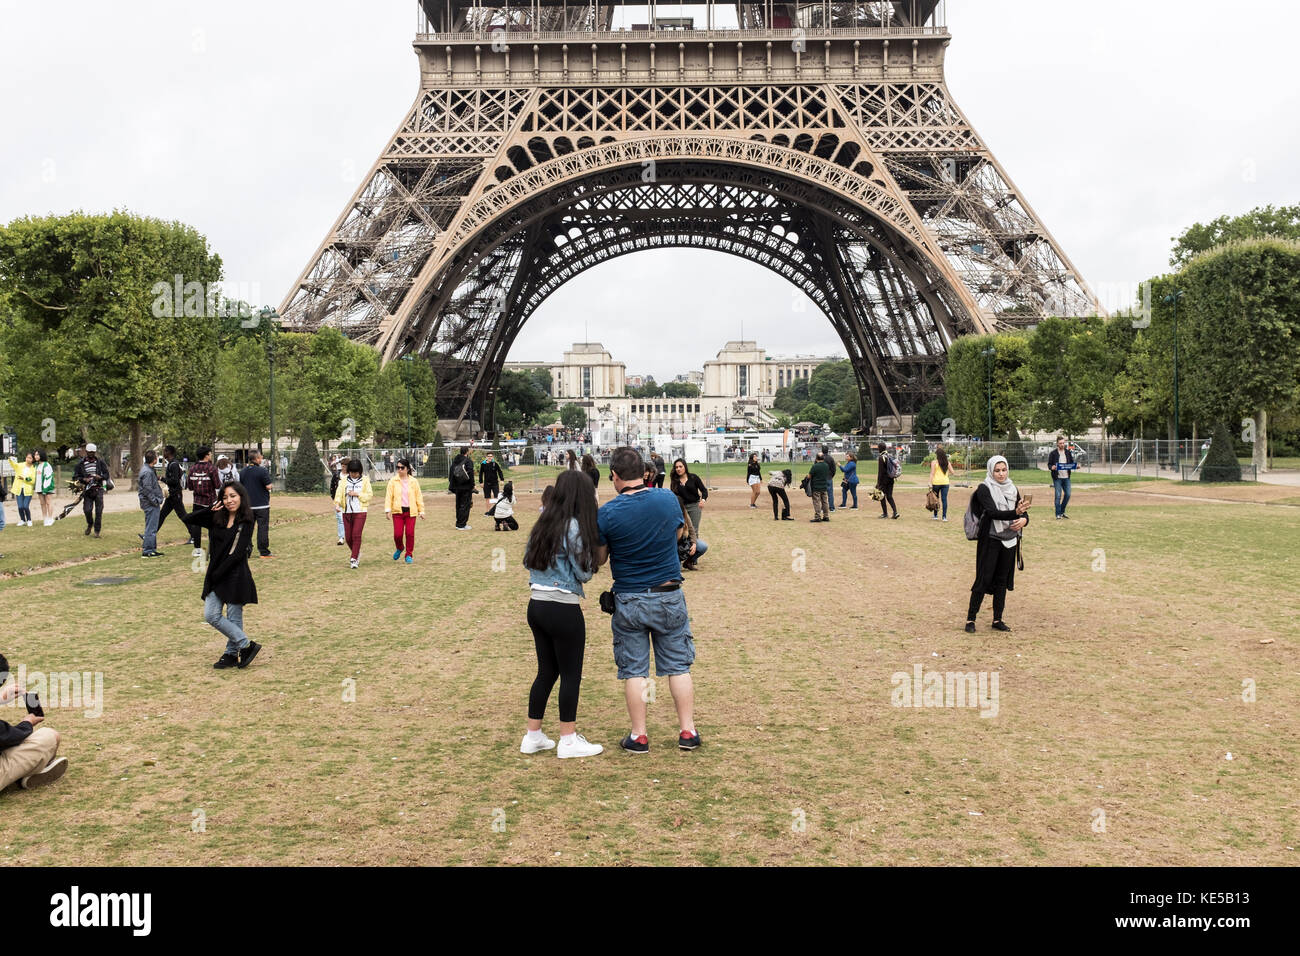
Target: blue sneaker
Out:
[410,559]
[397,555]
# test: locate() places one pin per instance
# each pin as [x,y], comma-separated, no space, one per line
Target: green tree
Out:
[574,417]
[681,390]
[825,384]
[341,377]
[92,287]
[405,386]
[968,378]
[812,412]
[1241,333]
[242,393]
[521,402]
[1266,221]
[930,419]
[306,473]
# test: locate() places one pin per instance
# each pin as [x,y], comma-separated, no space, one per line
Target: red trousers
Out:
[354,522]
[404,525]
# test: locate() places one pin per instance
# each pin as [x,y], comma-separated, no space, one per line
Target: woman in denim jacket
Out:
[560,556]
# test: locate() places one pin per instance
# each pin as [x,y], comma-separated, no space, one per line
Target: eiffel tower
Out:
[818,140]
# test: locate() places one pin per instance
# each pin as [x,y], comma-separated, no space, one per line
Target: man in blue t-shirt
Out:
[257,482]
[638,535]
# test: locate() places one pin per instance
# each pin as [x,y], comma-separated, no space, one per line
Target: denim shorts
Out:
[661,618]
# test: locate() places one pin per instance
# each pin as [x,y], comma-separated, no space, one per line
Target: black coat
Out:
[228,575]
[883,481]
[988,549]
[490,473]
[172,478]
[461,484]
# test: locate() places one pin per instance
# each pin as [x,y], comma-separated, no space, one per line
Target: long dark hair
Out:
[941,456]
[245,513]
[572,499]
[40,456]
[573,461]
[589,463]
[674,482]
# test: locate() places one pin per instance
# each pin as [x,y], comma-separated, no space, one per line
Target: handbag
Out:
[931,501]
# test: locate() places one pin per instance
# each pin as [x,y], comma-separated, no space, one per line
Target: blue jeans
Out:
[150,526]
[24,507]
[339,516]
[643,618]
[1061,494]
[232,625]
[942,492]
[844,495]
[2,515]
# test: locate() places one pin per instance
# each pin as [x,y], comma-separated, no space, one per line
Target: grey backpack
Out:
[971,522]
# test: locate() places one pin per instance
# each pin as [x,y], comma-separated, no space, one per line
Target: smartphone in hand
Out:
[34,705]
[1028,500]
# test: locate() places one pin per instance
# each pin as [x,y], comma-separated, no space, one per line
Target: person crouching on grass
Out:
[352,498]
[228,582]
[503,511]
[405,503]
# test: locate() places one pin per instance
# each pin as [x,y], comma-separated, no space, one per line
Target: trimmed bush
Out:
[305,471]
[1017,454]
[1221,463]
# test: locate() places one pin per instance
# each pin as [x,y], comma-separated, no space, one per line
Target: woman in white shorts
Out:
[754,476]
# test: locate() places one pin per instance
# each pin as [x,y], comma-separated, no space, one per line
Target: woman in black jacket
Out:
[589,466]
[228,581]
[1002,514]
[690,489]
[754,478]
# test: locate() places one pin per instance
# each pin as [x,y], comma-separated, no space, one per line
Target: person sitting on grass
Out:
[27,751]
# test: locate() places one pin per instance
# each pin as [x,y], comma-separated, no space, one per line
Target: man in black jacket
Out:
[92,472]
[27,754]
[490,476]
[172,479]
[1061,455]
[461,482]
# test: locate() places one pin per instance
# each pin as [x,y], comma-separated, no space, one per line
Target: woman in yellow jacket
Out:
[24,482]
[351,500]
[940,479]
[405,504]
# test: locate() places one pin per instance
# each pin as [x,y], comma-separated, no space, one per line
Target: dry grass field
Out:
[1141,627]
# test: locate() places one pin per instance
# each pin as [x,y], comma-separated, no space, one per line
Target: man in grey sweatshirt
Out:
[151,502]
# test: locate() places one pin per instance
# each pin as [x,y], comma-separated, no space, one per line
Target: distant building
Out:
[737,390]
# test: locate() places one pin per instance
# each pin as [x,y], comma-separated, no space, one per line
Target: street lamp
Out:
[1174,298]
[267,319]
[406,380]
[988,354]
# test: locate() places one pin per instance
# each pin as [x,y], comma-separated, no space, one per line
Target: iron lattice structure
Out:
[818,140]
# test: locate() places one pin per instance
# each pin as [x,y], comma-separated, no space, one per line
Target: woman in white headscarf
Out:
[1002,516]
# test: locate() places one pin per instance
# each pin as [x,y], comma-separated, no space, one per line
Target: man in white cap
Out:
[92,471]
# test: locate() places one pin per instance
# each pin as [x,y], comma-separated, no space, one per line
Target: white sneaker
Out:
[579,746]
[464,528]
[198,552]
[48,522]
[530,746]
[352,563]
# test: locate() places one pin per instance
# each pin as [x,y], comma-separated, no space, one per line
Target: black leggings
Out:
[887,501]
[779,493]
[560,634]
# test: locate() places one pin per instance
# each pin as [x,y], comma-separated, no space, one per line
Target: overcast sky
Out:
[255,121]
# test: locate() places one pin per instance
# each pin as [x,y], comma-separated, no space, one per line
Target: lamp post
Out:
[1174,298]
[268,318]
[406,380]
[988,354]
